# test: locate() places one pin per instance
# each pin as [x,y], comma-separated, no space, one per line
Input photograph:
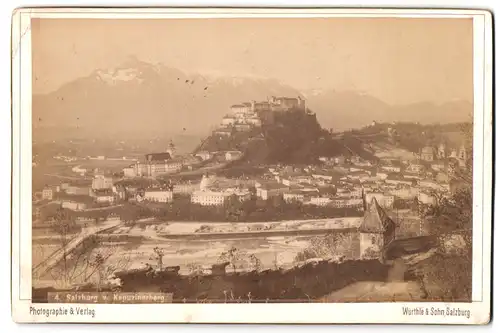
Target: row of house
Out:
[387,182]
[158,164]
[49,192]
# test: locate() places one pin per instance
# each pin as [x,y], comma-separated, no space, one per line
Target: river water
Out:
[192,255]
[134,247]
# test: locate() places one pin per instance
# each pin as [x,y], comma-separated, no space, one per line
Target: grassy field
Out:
[56,172]
[111,165]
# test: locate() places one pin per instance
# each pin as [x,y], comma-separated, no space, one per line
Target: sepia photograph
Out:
[252,159]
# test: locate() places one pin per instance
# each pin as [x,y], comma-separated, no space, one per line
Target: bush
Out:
[446,278]
[332,245]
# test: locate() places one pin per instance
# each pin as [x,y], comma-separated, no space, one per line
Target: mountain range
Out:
[137,98]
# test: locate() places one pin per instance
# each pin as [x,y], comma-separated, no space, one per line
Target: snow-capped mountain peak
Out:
[115,76]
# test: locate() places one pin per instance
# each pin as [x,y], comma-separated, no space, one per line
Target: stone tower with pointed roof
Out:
[376,231]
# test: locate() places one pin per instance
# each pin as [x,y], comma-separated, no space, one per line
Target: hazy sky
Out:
[396,60]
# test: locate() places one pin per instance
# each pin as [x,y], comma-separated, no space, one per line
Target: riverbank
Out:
[241,235]
[222,230]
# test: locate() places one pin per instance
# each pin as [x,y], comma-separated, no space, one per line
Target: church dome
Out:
[206,182]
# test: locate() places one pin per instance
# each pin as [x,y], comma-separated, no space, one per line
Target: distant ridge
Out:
[143,98]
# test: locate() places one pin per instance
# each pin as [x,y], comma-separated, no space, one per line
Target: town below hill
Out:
[277,148]
[265,170]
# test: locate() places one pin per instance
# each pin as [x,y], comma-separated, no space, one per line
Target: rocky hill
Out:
[295,137]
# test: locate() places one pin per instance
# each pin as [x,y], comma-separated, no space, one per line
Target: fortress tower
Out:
[301,103]
[376,231]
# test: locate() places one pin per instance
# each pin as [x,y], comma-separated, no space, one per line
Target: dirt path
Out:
[397,271]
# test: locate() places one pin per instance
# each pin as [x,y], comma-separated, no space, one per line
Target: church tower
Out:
[204,183]
[442,151]
[462,157]
[376,231]
[171,149]
[462,153]
[363,196]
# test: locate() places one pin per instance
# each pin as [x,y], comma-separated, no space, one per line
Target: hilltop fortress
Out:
[247,115]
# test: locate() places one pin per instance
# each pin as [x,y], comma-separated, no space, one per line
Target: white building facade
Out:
[209,198]
[101,182]
[157,195]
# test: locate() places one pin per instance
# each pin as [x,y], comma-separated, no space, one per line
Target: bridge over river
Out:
[73,244]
